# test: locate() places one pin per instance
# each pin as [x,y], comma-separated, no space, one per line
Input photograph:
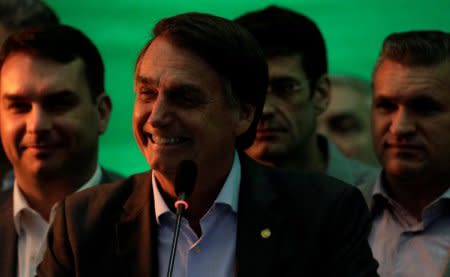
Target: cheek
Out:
[139,118]
[137,114]
[378,126]
[12,130]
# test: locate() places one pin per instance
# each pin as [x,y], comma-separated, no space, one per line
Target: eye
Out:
[345,124]
[18,107]
[284,87]
[425,106]
[61,102]
[384,105]
[147,94]
[187,96]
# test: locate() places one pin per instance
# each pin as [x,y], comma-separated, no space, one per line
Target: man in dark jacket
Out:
[200,86]
[52,110]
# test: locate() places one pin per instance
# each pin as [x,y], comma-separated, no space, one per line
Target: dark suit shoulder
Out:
[6,198]
[5,195]
[106,199]
[314,186]
[109,176]
[319,214]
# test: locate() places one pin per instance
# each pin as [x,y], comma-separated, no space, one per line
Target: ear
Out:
[321,96]
[104,107]
[246,115]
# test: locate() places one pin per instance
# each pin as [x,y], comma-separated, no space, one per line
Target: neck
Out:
[309,158]
[415,195]
[42,193]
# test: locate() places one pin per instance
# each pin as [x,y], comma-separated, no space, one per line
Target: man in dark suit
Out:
[200,87]
[52,110]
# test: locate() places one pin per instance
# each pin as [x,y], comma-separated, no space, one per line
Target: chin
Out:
[165,166]
[405,170]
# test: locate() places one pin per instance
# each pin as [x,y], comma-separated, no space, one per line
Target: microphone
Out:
[184,185]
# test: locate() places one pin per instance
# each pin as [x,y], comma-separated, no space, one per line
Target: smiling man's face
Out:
[181,112]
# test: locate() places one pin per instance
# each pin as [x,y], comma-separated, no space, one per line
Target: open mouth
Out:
[167,140]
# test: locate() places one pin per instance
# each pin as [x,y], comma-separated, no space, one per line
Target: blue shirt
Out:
[214,253]
[405,246]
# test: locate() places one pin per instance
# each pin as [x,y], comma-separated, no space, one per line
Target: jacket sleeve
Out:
[58,258]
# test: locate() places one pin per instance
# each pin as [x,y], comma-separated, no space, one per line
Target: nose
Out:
[161,113]
[402,123]
[38,120]
[269,108]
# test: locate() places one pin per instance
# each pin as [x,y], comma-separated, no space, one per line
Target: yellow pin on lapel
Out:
[266,233]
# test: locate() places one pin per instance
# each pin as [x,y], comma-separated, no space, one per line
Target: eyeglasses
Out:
[285,86]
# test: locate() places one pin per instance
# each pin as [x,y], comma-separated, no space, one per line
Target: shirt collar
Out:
[228,194]
[20,203]
[380,192]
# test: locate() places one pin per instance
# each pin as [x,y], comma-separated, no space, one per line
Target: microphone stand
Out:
[184,185]
[181,205]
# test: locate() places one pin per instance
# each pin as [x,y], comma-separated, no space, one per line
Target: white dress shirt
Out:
[214,252]
[32,229]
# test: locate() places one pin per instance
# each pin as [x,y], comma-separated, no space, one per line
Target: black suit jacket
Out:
[8,235]
[319,227]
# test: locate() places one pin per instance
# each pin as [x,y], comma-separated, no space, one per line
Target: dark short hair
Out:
[17,14]
[415,48]
[283,32]
[62,44]
[230,50]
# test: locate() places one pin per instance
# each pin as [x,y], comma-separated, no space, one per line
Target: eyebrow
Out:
[12,97]
[144,80]
[59,93]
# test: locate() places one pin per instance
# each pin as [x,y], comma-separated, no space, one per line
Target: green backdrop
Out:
[353,30]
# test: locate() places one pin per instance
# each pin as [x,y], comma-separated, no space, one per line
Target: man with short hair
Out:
[411,127]
[298,93]
[53,107]
[200,85]
[346,120]
[15,15]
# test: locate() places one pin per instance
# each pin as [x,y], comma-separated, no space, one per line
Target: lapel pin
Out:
[266,233]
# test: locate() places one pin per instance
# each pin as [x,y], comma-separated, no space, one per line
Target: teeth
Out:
[165,141]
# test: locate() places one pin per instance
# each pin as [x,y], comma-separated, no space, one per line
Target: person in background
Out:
[298,92]
[410,202]
[346,121]
[200,86]
[15,15]
[53,108]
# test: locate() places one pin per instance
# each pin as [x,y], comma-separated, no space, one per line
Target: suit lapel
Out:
[136,241]
[258,228]
[8,236]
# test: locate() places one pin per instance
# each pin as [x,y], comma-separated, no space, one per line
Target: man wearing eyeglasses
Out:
[299,91]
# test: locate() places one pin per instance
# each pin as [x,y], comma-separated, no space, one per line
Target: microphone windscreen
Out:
[185,177]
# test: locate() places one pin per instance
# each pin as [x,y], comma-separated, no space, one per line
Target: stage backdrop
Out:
[353,30]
